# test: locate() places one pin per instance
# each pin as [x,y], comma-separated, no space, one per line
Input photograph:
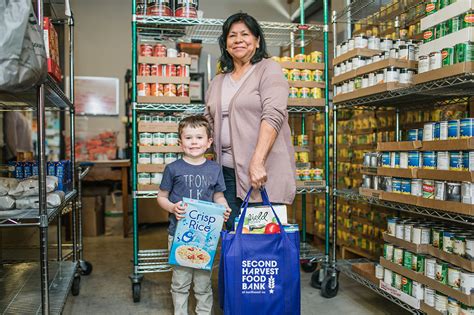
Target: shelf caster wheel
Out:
[76,285]
[309,266]
[86,267]
[330,286]
[315,282]
[136,290]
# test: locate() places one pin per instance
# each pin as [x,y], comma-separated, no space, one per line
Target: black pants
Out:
[230,195]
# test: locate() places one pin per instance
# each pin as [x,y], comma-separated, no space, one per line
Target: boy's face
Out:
[194,141]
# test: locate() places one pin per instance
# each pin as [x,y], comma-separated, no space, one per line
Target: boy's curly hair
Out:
[195,121]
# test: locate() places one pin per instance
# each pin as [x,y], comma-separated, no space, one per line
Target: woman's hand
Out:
[257,173]
[179,209]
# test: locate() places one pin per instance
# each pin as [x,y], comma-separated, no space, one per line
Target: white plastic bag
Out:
[6,203]
[29,187]
[7,184]
[22,52]
[53,199]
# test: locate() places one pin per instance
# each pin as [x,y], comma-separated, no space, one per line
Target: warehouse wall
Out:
[103,43]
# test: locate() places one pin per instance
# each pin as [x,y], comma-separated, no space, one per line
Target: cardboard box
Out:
[451,258]
[52,49]
[397,172]
[363,52]
[398,197]
[93,216]
[449,206]
[150,212]
[402,296]
[414,248]
[448,145]
[419,277]
[370,192]
[428,309]
[453,176]
[446,13]
[444,72]
[366,270]
[376,89]
[399,146]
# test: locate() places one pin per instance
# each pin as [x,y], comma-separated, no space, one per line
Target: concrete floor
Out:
[108,289]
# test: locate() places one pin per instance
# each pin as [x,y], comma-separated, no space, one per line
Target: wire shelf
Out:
[14,218]
[208,30]
[434,91]
[153,260]
[55,99]
[345,266]
[308,252]
[199,108]
[438,214]
[20,292]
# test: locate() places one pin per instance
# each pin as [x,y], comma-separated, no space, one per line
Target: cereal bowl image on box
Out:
[197,235]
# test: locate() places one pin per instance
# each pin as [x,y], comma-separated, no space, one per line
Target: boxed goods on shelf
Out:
[52,49]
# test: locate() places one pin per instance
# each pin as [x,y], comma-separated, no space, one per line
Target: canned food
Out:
[442,272]
[156,178]
[157,158]
[385,159]
[391,225]
[428,131]
[144,178]
[395,159]
[455,24]
[143,89]
[159,50]
[453,129]
[428,189]
[437,237]
[448,238]
[466,127]
[414,160]
[467,282]
[423,64]
[441,30]
[441,302]
[318,76]
[144,158]
[293,92]
[306,75]
[407,259]
[144,118]
[306,174]
[467,160]
[388,251]
[388,276]
[285,73]
[408,232]
[398,256]
[304,92]
[440,190]
[428,35]
[453,306]
[459,244]
[417,187]
[182,70]
[417,290]
[146,50]
[454,277]
[317,174]
[435,60]
[467,192]
[464,52]
[186,8]
[406,186]
[429,296]
[447,56]
[429,160]
[159,139]
[170,119]
[392,74]
[399,230]
[182,90]
[453,192]
[144,69]
[302,140]
[315,57]
[156,89]
[170,157]
[468,19]
[418,263]
[379,271]
[403,159]
[299,58]
[442,160]
[455,160]
[387,184]
[303,157]
[169,89]
[156,70]
[171,139]
[159,8]
[145,138]
[286,59]
[397,281]
[396,185]
[407,285]
[430,267]
[470,247]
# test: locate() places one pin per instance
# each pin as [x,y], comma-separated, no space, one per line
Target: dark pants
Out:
[230,195]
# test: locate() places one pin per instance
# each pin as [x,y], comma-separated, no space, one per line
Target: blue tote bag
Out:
[259,273]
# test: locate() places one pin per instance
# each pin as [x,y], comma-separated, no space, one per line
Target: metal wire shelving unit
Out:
[43,286]
[432,94]
[155,28]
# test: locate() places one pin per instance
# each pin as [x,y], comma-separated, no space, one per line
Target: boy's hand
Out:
[179,209]
[227,212]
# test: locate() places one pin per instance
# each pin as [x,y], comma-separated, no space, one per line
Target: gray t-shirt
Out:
[182,179]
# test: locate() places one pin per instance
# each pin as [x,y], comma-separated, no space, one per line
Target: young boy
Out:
[195,177]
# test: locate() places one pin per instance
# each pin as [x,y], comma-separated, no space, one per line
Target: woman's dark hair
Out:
[226,62]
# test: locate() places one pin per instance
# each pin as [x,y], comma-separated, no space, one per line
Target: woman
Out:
[246,105]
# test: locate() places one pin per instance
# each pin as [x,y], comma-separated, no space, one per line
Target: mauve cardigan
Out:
[262,97]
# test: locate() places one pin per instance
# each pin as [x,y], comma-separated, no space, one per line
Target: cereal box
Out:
[197,235]
[258,217]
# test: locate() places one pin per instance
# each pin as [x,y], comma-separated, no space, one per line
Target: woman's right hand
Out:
[179,209]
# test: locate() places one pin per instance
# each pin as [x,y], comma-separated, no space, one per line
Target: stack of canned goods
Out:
[162,70]
[178,8]
[453,240]
[150,178]
[157,118]
[400,282]
[312,57]
[158,138]
[309,174]
[444,130]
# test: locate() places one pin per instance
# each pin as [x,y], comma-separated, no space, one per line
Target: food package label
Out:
[197,235]
[257,218]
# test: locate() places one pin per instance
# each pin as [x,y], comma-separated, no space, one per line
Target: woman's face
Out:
[241,43]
